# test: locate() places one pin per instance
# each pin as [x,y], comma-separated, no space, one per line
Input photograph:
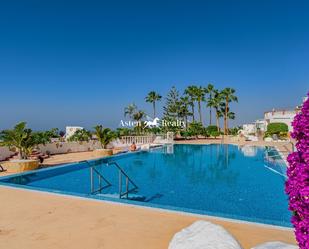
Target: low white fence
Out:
[137,139]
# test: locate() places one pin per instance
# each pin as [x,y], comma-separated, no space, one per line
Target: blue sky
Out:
[80,63]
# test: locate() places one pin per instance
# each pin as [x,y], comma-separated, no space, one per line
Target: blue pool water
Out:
[220,180]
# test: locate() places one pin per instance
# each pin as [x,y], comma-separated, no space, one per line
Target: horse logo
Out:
[152,124]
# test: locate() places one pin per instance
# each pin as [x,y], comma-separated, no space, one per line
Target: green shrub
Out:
[215,134]
[185,134]
[277,128]
[80,136]
[195,128]
[234,131]
[211,128]
[205,132]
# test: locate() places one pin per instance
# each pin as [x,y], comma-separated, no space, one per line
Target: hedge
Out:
[277,128]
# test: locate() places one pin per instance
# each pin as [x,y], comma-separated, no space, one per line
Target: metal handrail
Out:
[102,178]
[128,180]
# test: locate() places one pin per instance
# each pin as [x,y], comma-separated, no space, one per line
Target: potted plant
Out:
[23,140]
[104,136]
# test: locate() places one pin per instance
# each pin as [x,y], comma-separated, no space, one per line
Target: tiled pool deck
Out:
[39,220]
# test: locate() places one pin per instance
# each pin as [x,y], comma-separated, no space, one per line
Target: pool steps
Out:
[101,180]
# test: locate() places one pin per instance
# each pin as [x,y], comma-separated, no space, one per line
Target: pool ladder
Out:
[101,179]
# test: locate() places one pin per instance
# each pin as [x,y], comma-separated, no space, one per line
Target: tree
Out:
[52,133]
[215,102]
[44,137]
[80,136]
[130,110]
[104,135]
[190,91]
[20,138]
[229,115]
[138,116]
[123,131]
[200,96]
[228,95]
[210,91]
[171,108]
[184,109]
[219,114]
[153,97]
[195,129]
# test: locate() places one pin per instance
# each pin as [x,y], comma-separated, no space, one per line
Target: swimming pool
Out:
[244,183]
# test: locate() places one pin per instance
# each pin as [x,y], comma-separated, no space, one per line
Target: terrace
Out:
[87,220]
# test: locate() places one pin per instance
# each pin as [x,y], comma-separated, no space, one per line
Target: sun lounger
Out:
[2,169]
[145,147]
[160,140]
[251,138]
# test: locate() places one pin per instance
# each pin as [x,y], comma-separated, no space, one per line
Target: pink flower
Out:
[297,185]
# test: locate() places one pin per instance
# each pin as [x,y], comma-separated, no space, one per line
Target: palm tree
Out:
[130,110]
[183,110]
[219,114]
[215,102]
[230,115]
[138,116]
[200,96]
[190,91]
[20,138]
[104,135]
[153,97]
[228,95]
[210,90]
[80,136]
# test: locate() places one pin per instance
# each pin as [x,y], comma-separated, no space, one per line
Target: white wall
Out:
[57,148]
[66,147]
[5,153]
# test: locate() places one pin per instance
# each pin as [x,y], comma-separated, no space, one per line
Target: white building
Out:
[249,128]
[70,130]
[261,125]
[280,116]
[253,128]
[274,116]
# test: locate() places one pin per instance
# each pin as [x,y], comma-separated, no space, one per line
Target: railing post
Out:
[127,187]
[120,183]
[100,183]
[91,179]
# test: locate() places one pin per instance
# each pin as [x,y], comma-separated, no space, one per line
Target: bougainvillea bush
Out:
[297,185]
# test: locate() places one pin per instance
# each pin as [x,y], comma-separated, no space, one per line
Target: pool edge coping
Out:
[69,196]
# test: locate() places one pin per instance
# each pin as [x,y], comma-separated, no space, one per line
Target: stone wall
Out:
[57,148]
